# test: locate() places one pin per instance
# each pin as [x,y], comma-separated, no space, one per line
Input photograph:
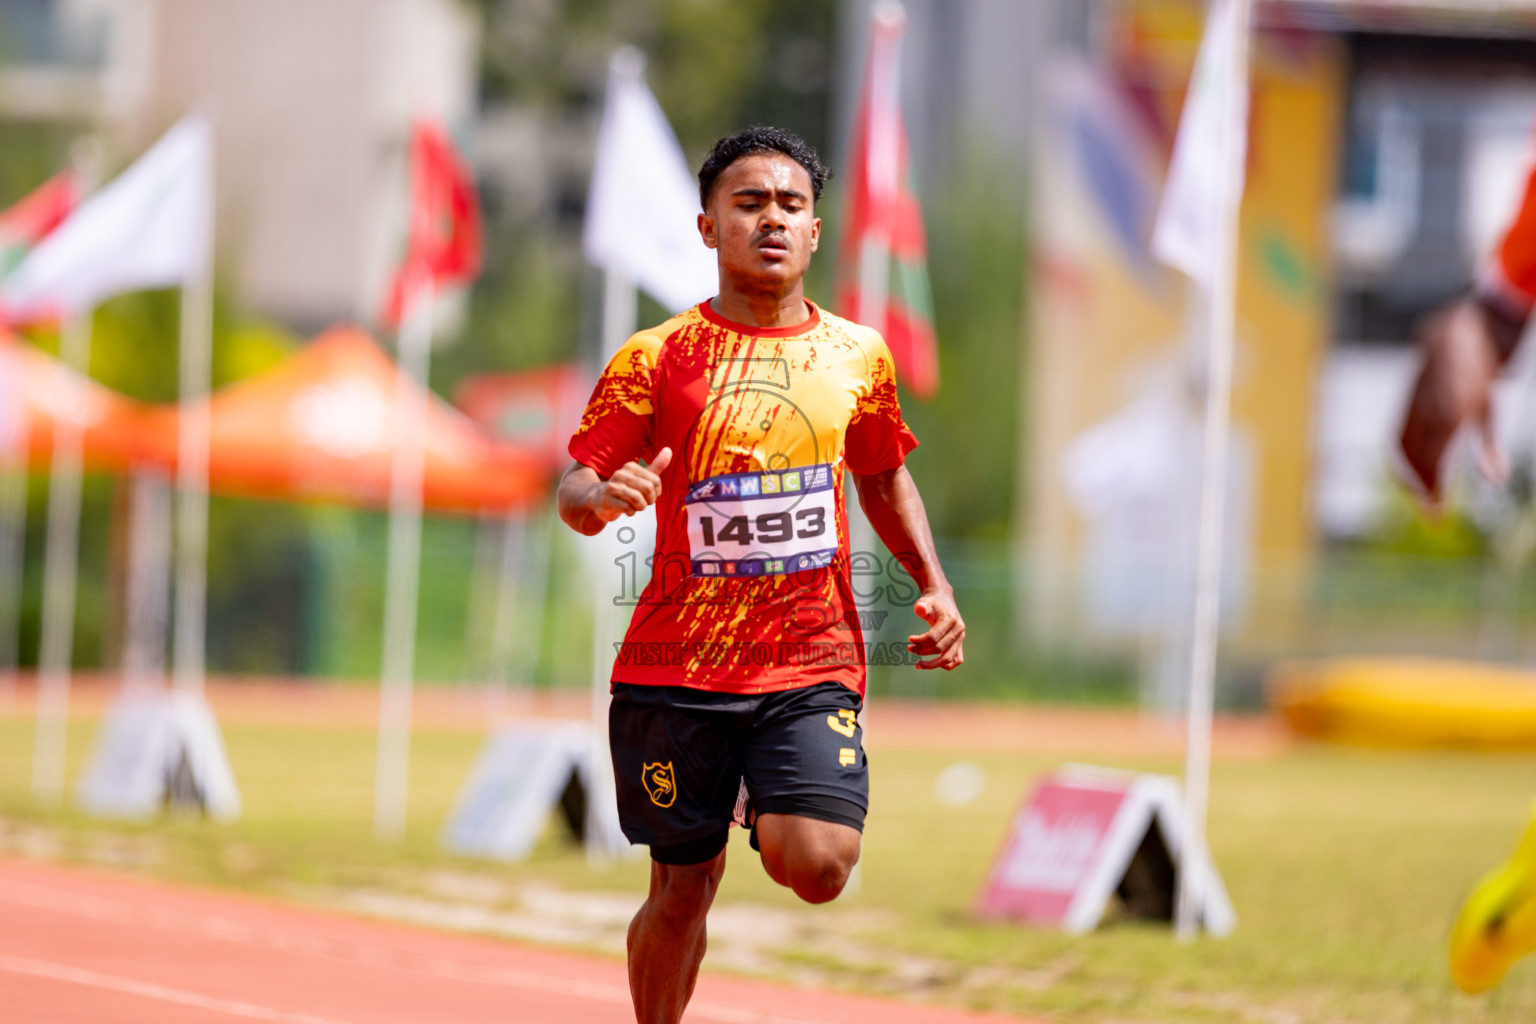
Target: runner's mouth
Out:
[774,246]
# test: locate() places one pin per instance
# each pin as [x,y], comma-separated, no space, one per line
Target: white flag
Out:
[1189,232]
[643,207]
[149,228]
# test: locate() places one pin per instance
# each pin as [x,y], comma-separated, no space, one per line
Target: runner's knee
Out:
[819,879]
[814,858]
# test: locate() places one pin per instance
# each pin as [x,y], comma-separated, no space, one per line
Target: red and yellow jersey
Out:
[750,590]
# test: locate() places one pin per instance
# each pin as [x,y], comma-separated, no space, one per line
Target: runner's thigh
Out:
[677,770]
[804,755]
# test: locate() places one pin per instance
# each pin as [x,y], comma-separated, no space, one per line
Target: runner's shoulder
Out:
[868,340]
[645,345]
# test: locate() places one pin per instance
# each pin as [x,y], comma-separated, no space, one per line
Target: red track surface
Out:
[83,948]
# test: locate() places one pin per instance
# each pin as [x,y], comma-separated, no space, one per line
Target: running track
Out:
[84,948]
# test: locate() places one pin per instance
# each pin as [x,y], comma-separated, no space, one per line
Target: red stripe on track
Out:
[79,946]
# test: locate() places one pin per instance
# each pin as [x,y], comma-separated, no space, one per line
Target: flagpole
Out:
[391,788]
[62,547]
[480,609]
[1221,325]
[509,601]
[440,185]
[527,605]
[60,560]
[192,443]
[149,581]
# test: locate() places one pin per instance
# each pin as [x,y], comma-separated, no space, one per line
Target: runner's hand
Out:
[1461,362]
[634,488]
[946,632]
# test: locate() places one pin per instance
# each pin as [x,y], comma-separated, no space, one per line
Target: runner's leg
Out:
[667,938]
[812,857]
[808,780]
[677,774]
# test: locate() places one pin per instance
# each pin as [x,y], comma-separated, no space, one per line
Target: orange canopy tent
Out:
[322,424]
[49,391]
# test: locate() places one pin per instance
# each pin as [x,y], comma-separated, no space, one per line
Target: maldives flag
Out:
[883,265]
[25,224]
[444,247]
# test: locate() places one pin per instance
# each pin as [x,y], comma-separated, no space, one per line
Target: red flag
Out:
[27,222]
[445,243]
[883,266]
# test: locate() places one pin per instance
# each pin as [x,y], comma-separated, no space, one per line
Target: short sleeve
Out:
[616,426]
[878,440]
[1517,254]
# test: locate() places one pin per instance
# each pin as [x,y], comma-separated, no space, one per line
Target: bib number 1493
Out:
[765,527]
[762,524]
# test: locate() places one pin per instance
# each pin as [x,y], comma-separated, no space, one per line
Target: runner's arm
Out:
[588,502]
[1464,346]
[895,510]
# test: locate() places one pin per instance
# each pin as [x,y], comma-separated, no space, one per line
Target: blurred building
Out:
[313,101]
[1115,372]
[1388,141]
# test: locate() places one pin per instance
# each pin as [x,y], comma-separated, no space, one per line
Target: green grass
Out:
[1345,868]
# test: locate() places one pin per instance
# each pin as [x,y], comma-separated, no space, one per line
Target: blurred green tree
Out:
[968,462]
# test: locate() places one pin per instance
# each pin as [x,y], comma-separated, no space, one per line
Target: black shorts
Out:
[682,758]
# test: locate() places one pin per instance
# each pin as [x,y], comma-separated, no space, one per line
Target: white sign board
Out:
[159,748]
[523,774]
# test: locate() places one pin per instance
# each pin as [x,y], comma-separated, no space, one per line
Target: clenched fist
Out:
[588,502]
[634,488]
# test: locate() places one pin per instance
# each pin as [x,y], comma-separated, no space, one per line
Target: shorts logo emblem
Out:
[846,756]
[843,722]
[659,783]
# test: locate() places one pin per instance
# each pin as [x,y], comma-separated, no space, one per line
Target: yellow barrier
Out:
[1408,702]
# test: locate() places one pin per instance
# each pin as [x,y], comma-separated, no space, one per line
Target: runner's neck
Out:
[810,323]
[767,311]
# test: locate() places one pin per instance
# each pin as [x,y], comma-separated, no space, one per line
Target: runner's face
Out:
[761,221]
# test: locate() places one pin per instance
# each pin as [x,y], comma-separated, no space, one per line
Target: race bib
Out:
[762,524]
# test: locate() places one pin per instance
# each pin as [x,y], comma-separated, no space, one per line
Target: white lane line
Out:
[282,940]
[149,990]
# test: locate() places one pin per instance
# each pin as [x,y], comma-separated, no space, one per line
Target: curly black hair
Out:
[760,138]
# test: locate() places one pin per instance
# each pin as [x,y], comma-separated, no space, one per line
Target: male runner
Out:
[1465,346]
[741,677]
